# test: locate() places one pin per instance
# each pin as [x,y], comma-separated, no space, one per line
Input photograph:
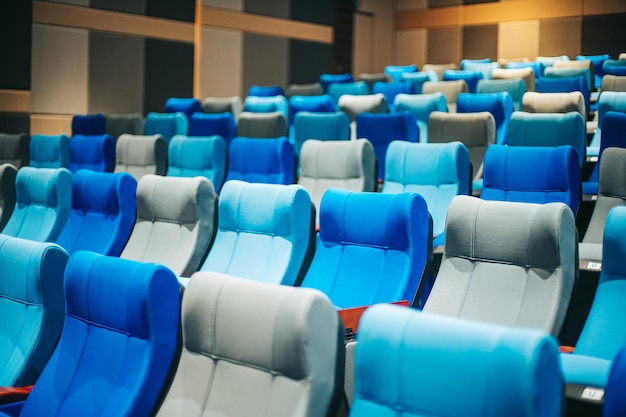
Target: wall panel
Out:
[560,36]
[221,63]
[518,39]
[480,42]
[444,45]
[307,60]
[15,44]
[410,47]
[265,61]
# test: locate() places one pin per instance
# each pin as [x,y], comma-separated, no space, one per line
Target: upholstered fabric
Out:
[571,68]
[15,149]
[613,135]
[140,155]
[264,232]
[312,89]
[32,305]
[471,77]
[422,365]
[439,68]
[614,399]
[210,124]
[317,104]
[613,83]
[175,222]
[396,71]
[450,89]
[354,105]
[118,340]
[49,151]
[500,105]
[269,161]
[554,177]
[43,203]
[8,172]
[104,206]
[262,125]
[419,78]
[327,79]
[421,105]
[88,124]
[186,105]
[232,105]
[383,262]
[534,102]
[614,67]
[608,101]
[437,171]
[118,124]
[265,91]
[345,164]
[485,67]
[516,87]
[391,90]
[381,129]
[320,126]
[266,104]
[507,263]
[357,88]
[191,156]
[252,348]
[93,152]
[166,124]
[549,130]
[466,63]
[565,85]
[371,77]
[596,62]
[527,74]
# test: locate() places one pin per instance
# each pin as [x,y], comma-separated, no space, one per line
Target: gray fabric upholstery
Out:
[450,89]
[345,164]
[613,83]
[371,78]
[140,155]
[507,263]
[255,349]
[475,130]
[575,63]
[15,149]
[232,105]
[8,172]
[313,89]
[353,105]
[175,222]
[262,125]
[611,193]
[526,74]
[118,124]
[439,68]
[533,102]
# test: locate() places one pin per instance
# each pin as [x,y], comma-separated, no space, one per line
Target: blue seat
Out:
[210,124]
[421,105]
[263,160]
[471,77]
[549,129]
[614,67]
[43,203]
[565,85]
[371,248]
[321,126]
[391,90]
[549,61]
[49,151]
[419,78]
[396,71]
[485,67]
[613,135]
[94,152]
[88,124]
[265,91]
[437,171]
[596,61]
[500,105]
[192,156]
[327,79]
[614,400]
[104,206]
[187,105]
[32,305]
[554,177]
[317,104]
[466,62]
[564,69]
[381,129]
[537,67]
[608,101]
[404,361]
[167,125]
[356,88]
[514,86]
[118,342]
[264,233]
[266,104]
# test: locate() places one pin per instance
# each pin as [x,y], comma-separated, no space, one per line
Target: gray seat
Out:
[8,172]
[450,89]
[175,222]
[439,68]
[527,74]
[118,124]
[533,102]
[507,263]
[262,125]
[15,149]
[611,193]
[252,348]
[371,78]
[232,105]
[313,89]
[353,105]
[140,155]
[612,82]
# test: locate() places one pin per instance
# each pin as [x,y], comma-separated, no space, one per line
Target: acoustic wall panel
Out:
[444,3]
[604,34]
[224,4]
[518,39]
[59,70]
[274,8]
[560,37]
[115,73]
[221,63]
[265,61]
[14,123]
[134,6]
[307,60]
[74,2]
[313,11]
[15,44]
[410,47]
[444,45]
[480,42]
[184,10]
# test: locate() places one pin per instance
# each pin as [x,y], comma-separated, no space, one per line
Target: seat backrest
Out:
[210,124]
[404,360]
[167,125]
[8,172]
[345,164]
[262,125]
[450,89]
[614,67]
[549,129]
[356,88]
[475,130]
[32,303]
[264,232]
[584,64]
[49,151]
[527,74]
[270,161]
[534,102]
[500,105]
[549,61]
[419,78]
[266,104]
[485,67]
[118,124]
[140,155]
[43,203]
[437,171]
[118,341]
[88,124]
[232,105]
[614,400]
[192,156]
[516,87]
[565,85]
[327,79]
[265,91]
[385,261]
[104,206]
[354,105]
[93,152]
[508,263]
[320,126]
[370,78]
[186,105]
[391,90]
[439,68]
[565,72]
[466,63]
[596,62]
[175,222]
[14,149]
[613,83]
[555,175]
[421,105]
[318,104]
[279,345]
[471,77]
[312,89]
[396,71]
[608,101]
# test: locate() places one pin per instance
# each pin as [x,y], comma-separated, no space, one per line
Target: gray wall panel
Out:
[265,61]
[480,42]
[275,8]
[444,45]
[127,6]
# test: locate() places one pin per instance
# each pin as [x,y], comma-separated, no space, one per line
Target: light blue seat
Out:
[419,78]
[327,79]
[187,105]
[167,125]
[43,203]
[549,61]
[94,152]
[192,156]
[211,124]
[608,101]
[49,151]
[254,104]
[266,160]
[514,86]
[421,105]
[396,71]
[317,104]
[596,61]
[500,105]
[320,126]
[613,135]
[356,88]
[371,248]
[485,67]
[471,77]
[466,62]
[264,233]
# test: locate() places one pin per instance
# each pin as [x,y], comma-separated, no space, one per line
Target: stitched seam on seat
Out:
[471,271]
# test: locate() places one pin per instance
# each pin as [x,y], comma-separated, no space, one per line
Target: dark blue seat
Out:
[266,160]
[210,124]
[187,105]
[93,152]
[88,124]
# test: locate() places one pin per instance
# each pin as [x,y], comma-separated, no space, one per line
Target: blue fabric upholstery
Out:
[191,156]
[264,232]
[383,128]
[396,71]
[596,61]
[549,129]
[421,105]
[32,306]
[254,104]
[614,399]
[437,171]
[471,77]
[613,135]
[485,67]
[88,124]
[565,85]
[96,153]
[371,248]
[608,101]
[44,201]
[568,72]
[466,63]
[614,67]
[514,86]
[104,207]
[414,364]
[48,151]
[323,104]
[549,61]
[265,91]
[118,340]
[554,177]
[187,105]
[321,126]
[419,78]
[166,124]
[537,67]
[269,161]
[327,79]
[500,105]
[356,88]
[210,124]
[391,90]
